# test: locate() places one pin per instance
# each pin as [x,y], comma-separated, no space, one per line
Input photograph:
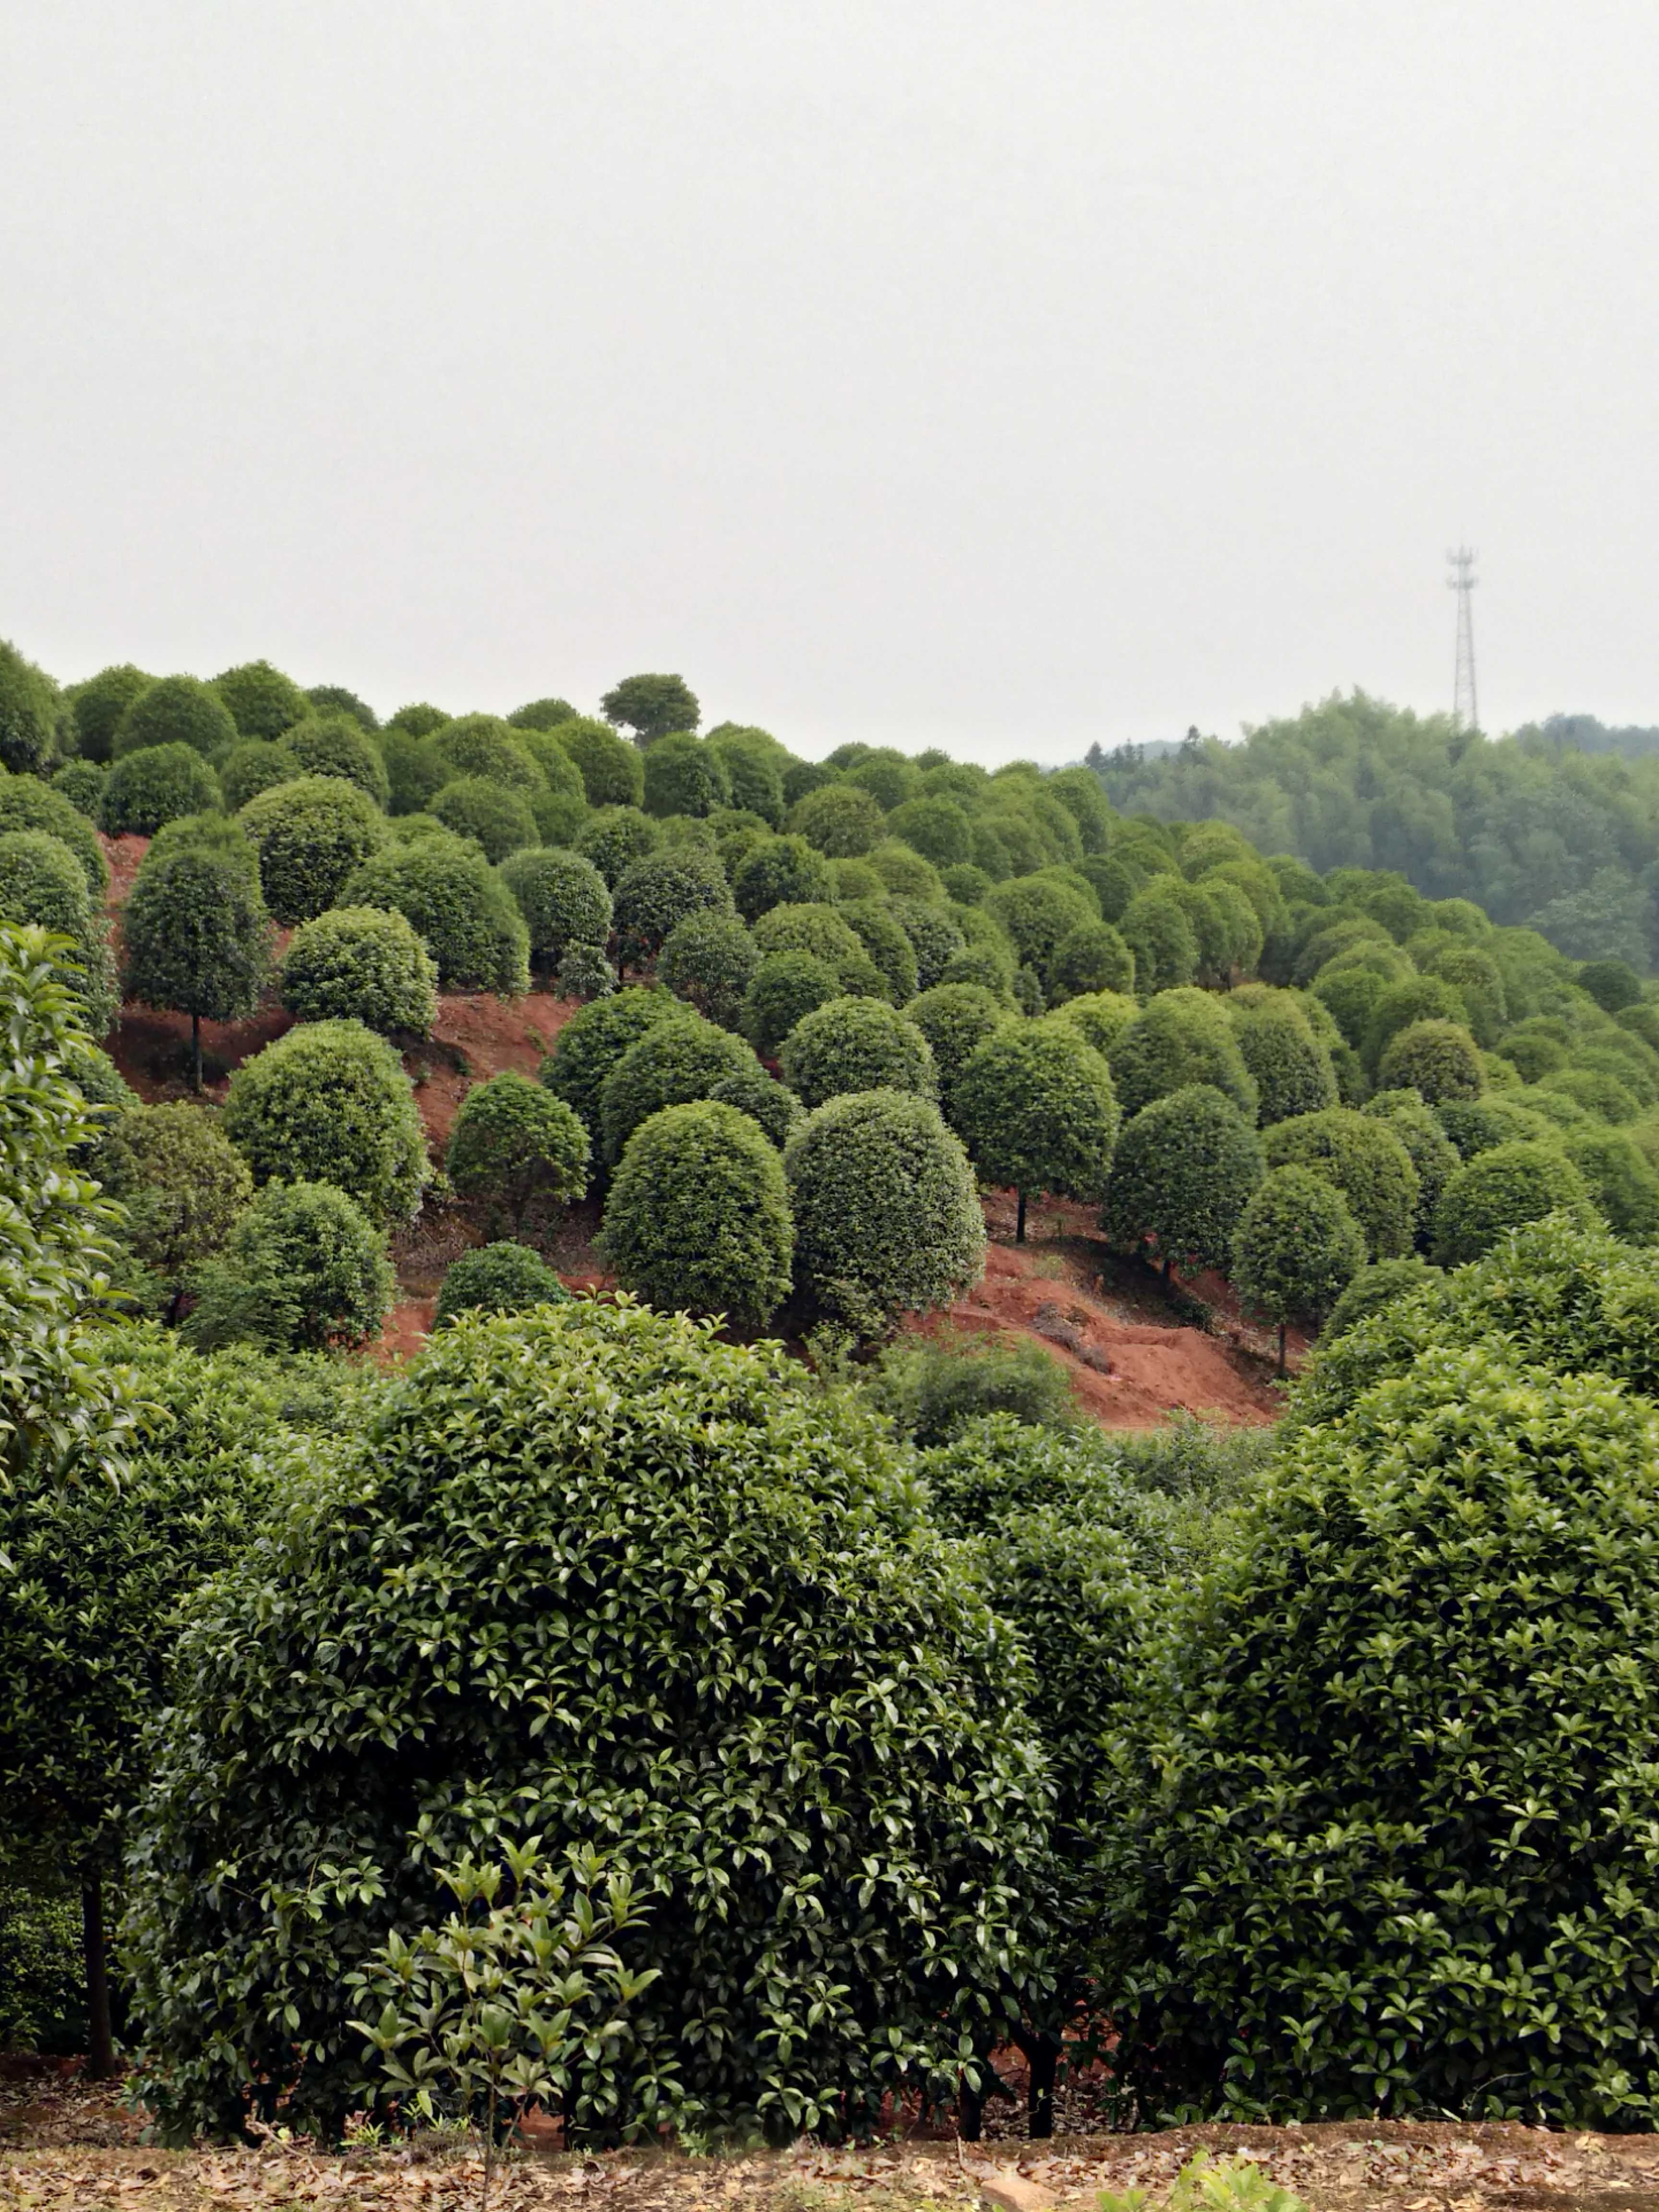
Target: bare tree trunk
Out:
[101,2040]
[1041,2056]
[970,2107]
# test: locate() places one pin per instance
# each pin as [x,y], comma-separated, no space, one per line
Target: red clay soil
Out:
[1131,1363]
[476,1037]
[123,855]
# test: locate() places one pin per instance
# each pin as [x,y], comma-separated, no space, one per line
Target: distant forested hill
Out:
[1556,827]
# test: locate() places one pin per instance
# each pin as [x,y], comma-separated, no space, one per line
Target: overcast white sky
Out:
[988,374]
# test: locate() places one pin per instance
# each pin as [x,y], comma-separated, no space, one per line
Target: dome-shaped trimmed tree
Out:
[497,818]
[98,705]
[698,1220]
[840,820]
[936,827]
[329,1102]
[1100,1017]
[1181,1038]
[593,1041]
[673,1062]
[1092,958]
[195,934]
[612,771]
[1439,1059]
[261,701]
[613,1434]
[683,775]
[784,988]
[778,872]
[887,1218]
[1155,927]
[856,1044]
[1291,1069]
[496,1278]
[935,937]
[255,765]
[708,959]
[823,931]
[311,835]
[1039,914]
[1404,1724]
[1428,1147]
[175,710]
[1295,1249]
[1503,1189]
[458,907]
[1418,999]
[304,1269]
[338,744]
[562,897]
[1035,1107]
[881,930]
[654,893]
[485,745]
[515,1146]
[41,882]
[163,783]
[26,803]
[1363,1159]
[614,838]
[955,1018]
[1182,1174]
[360,963]
[771,1105]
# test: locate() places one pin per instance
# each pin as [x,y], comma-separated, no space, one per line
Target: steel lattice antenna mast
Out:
[1462,581]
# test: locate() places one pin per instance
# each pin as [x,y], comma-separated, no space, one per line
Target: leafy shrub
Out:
[1155,927]
[599,1435]
[655,893]
[263,701]
[955,1018]
[360,963]
[683,776]
[516,1145]
[1093,957]
[612,771]
[255,765]
[145,789]
[496,1278]
[336,699]
[1182,1174]
[547,715]
[1295,1248]
[41,882]
[905,874]
[336,744]
[1439,1059]
[1401,1006]
[98,706]
[887,1220]
[1623,1187]
[28,804]
[881,932]
[1473,975]
[935,827]
[177,710]
[614,838]
[1039,913]
[698,1217]
[652,706]
[753,762]
[822,931]
[1365,1159]
[329,1102]
[771,1105]
[458,907]
[778,872]
[311,835]
[1596,1092]
[484,746]
[784,988]
[1475,1125]
[585,973]
[710,959]
[1100,1017]
[415,773]
[855,879]
[1613,984]
[195,934]
[496,818]
[1503,1189]
[562,899]
[856,1044]
[1430,1152]
[1464,1561]
[303,1269]
[182,1183]
[1376,1287]
[675,1060]
[934,937]
[1036,1109]
[82,782]
[420,719]
[932,1389]
[1181,1038]
[1290,1068]
[593,1043]
[839,819]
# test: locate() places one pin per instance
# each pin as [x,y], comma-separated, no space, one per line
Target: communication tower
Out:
[1462,581]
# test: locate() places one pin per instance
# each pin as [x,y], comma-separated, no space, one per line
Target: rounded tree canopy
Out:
[1296,1247]
[1365,1160]
[145,789]
[337,744]
[856,1044]
[1503,1189]
[652,706]
[887,1218]
[675,1060]
[562,899]
[1035,1107]
[784,987]
[329,1102]
[685,775]
[99,704]
[1182,1037]
[360,963]
[1439,1059]
[496,1278]
[612,771]
[459,908]
[778,872]
[698,1220]
[175,710]
[311,835]
[262,700]
[1182,1174]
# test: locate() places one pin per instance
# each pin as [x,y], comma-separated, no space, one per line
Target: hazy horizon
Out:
[1001,378]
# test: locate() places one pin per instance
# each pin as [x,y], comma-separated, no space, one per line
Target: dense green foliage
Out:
[98,705]
[673,1062]
[303,1269]
[1184,1170]
[856,1044]
[459,908]
[176,711]
[887,1221]
[27,804]
[563,899]
[1364,1158]
[41,881]
[697,1219]
[1500,1189]
[515,1146]
[182,1183]
[496,1278]
[263,702]
[876,1925]
[1182,1037]
[161,784]
[708,959]
[360,963]
[1036,1109]
[1295,1248]
[329,1103]
[195,934]
[311,835]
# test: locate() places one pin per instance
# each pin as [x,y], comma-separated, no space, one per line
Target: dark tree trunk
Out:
[971,2108]
[1019,1226]
[1281,1347]
[196,1052]
[101,2041]
[1042,2055]
[1167,1265]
